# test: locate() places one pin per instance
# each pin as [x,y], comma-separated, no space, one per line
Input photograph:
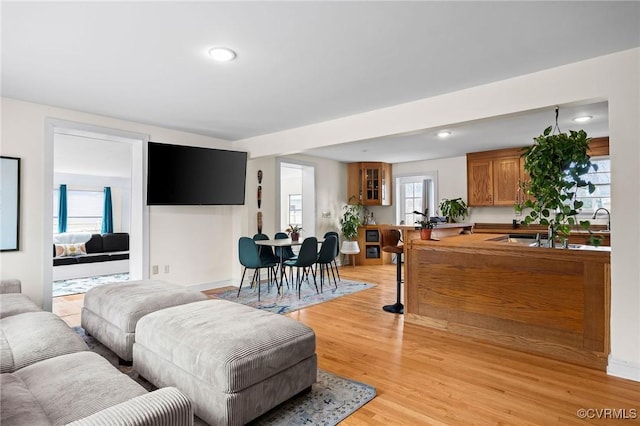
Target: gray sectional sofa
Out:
[49,377]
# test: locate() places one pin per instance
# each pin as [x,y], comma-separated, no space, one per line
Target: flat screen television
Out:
[188,175]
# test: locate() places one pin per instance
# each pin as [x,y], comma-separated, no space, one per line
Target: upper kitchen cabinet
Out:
[493,177]
[369,184]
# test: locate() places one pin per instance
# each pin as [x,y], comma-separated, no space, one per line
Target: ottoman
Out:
[232,361]
[111,311]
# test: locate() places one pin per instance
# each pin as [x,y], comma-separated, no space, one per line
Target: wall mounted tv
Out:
[188,175]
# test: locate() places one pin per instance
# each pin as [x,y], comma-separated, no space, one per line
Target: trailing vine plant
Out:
[556,164]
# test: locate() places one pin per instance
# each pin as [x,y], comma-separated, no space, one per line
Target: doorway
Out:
[135,219]
[297,196]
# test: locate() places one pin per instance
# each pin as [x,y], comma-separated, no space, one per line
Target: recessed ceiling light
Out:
[222,54]
[582,119]
[444,134]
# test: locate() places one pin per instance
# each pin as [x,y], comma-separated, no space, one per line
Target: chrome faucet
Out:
[550,235]
[608,217]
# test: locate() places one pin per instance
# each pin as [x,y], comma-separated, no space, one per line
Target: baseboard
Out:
[623,369]
[214,284]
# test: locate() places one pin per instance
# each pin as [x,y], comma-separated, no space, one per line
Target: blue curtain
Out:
[62,210]
[107,212]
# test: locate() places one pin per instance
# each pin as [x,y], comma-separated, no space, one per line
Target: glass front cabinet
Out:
[369,184]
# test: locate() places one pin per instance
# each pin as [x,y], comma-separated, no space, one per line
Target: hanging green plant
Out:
[556,164]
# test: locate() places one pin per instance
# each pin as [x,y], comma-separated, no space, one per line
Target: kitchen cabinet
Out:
[494,177]
[369,184]
[370,242]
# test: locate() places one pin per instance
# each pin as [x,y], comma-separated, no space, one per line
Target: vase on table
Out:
[295,236]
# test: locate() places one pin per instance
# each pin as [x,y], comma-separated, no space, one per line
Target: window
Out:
[295,209]
[415,193]
[601,197]
[412,200]
[84,210]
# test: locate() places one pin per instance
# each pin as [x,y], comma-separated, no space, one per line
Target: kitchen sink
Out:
[529,240]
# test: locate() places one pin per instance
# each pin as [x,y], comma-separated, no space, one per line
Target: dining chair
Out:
[284,253]
[249,256]
[266,253]
[307,257]
[325,257]
[390,240]
[334,263]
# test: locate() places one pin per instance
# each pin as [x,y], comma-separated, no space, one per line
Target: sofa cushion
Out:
[59,261]
[118,241]
[16,303]
[18,405]
[119,256]
[75,249]
[35,336]
[94,245]
[10,285]
[96,385]
[92,258]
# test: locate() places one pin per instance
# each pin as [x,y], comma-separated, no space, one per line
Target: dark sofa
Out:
[100,248]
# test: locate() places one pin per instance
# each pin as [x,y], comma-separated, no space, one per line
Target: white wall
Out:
[614,78]
[195,241]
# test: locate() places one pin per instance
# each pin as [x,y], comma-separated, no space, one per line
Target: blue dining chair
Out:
[307,257]
[266,253]
[325,257]
[284,253]
[333,262]
[249,256]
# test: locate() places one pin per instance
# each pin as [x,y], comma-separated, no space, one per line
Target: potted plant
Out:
[294,231]
[349,222]
[556,164]
[454,208]
[426,226]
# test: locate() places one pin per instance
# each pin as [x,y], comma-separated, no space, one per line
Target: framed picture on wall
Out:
[9,203]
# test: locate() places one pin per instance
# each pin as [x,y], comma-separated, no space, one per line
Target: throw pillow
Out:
[70,249]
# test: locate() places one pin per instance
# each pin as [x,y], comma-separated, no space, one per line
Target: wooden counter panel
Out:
[544,301]
[542,294]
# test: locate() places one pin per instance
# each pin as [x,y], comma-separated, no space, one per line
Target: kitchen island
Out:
[550,302]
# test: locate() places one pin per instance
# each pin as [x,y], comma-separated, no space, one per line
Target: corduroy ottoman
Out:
[232,361]
[111,311]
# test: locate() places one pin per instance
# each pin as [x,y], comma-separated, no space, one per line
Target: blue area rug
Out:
[288,301]
[82,285]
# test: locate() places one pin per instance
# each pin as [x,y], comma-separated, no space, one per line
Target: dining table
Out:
[282,242]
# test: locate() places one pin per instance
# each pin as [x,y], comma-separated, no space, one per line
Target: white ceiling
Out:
[298,62]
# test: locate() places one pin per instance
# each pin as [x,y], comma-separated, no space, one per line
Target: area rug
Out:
[331,400]
[288,301]
[82,285]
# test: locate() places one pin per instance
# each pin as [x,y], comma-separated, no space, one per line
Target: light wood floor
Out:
[425,377]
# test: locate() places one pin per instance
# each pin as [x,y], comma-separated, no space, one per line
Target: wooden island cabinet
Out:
[550,302]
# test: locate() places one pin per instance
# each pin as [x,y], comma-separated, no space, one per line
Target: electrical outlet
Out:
[154,270]
[166,269]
